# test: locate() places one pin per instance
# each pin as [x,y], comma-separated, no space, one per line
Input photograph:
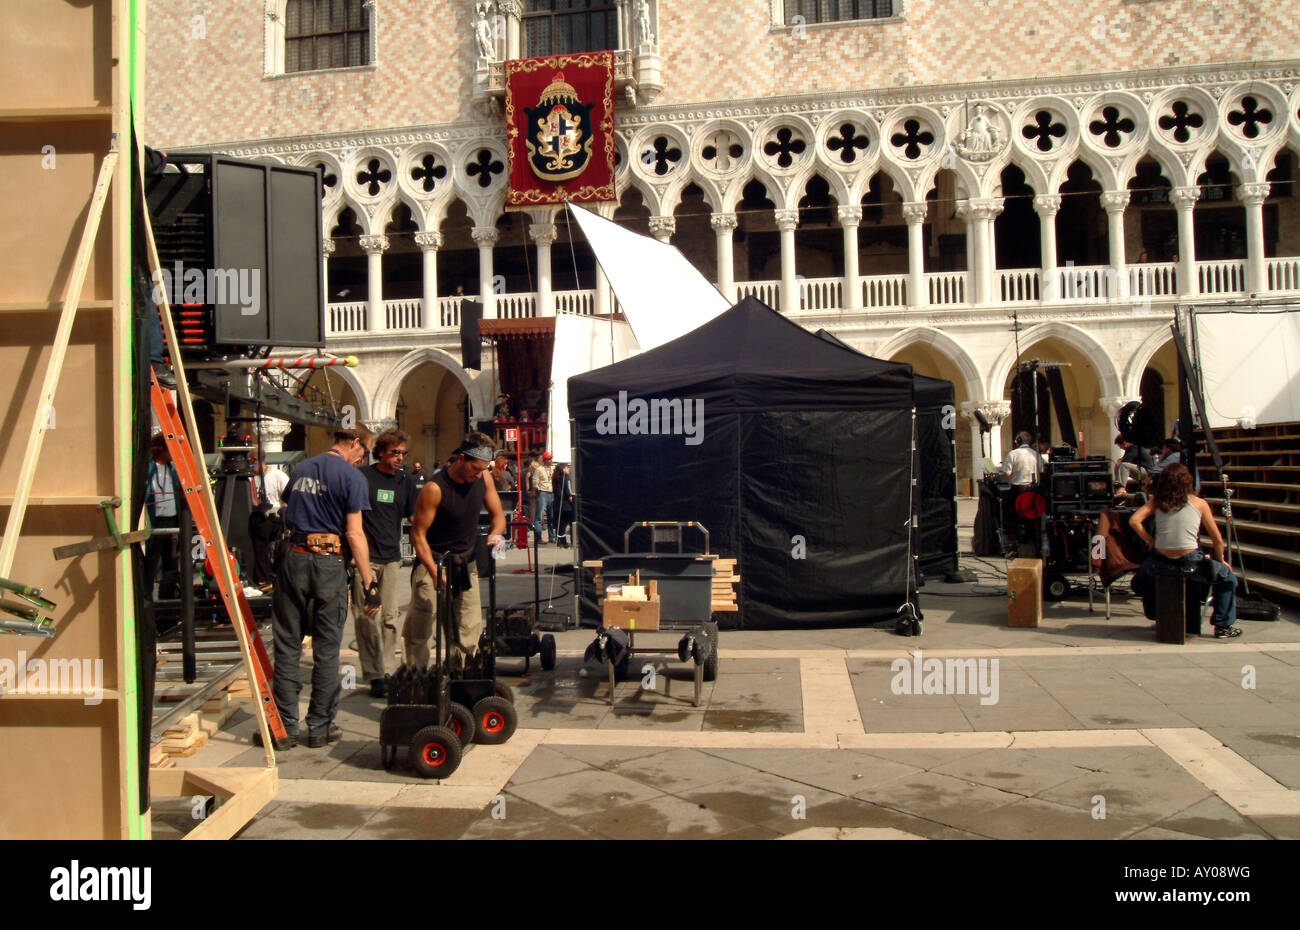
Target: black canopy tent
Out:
[936,404]
[799,463]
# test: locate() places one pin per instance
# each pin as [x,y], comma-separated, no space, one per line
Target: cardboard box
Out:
[630,614]
[1025,592]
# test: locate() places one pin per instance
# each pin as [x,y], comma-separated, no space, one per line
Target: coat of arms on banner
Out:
[560,128]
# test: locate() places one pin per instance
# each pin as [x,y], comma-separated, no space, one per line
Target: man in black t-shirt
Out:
[392,500]
[446,523]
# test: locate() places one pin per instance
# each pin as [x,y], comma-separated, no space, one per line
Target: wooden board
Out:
[63,95]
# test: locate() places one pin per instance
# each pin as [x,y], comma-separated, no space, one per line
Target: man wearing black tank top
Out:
[446,523]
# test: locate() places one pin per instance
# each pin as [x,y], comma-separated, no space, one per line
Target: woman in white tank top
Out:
[1175,550]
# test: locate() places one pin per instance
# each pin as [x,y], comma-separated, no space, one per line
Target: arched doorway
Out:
[1032,407]
[931,362]
[316,439]
[432,409]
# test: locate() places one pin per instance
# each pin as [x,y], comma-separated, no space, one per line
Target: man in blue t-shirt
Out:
[325,498]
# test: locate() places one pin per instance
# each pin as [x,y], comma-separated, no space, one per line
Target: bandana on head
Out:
[482,453]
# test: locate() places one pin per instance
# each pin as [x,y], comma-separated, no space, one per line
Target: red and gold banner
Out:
[560,129]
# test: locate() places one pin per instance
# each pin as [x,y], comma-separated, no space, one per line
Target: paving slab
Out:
[1213,819]
[678,770]
[308,821]
[954,802]
[662,818]
[758,797]
[1038,819]
[839,771]
[524,821]
[1151,800]
[545,762]
[1023,771]
[578,793]
[416,824]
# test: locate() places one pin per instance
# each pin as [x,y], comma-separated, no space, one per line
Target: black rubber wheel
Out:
[711,663]
[494,721]
[548,652]
[503,690]
[1055,588]
[461,722]
[435,752]
[388,755]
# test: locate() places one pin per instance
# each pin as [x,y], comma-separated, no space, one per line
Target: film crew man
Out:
[392,494]
[326,497]
[446,524]
[1023,465]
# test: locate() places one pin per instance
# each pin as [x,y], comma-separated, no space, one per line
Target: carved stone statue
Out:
[980,139]
[483,33]
[644,35]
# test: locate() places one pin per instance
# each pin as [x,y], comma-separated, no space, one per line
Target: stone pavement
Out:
[1082,728]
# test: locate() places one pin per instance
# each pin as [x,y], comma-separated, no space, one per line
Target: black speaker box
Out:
[240,247]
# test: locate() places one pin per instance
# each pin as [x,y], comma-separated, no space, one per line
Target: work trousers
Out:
[377,635]
[423,611]
[160,561]
[311,598]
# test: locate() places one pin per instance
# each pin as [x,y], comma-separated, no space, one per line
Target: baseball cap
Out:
[547,456]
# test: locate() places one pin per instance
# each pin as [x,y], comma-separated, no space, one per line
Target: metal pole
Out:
[189,658]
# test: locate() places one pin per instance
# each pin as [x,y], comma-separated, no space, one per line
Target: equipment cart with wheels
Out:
[684,579]
[437,712]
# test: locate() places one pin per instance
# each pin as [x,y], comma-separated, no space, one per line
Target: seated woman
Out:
[1176,551]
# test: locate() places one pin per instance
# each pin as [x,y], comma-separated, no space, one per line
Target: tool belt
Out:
[317,543]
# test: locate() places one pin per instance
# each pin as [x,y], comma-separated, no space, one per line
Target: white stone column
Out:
[543,235]
[914,215]
[663,227]
[429,243]
[995,206]
[850,218]
[1047,206]
[273,435]
[724,225]
[486,237]
[1184,199]
[786,221]
[374,247]
[326,250]
[1114,203]
[512,11]
[962,211]
[1252,197]
[980,216]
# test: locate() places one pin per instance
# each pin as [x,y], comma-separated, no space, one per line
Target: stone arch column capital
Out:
[914,211]
[1253,195]
[374,245]
[1047,204]
[849,216]
[428,241]
[1184,198]
[787,220]
[723,222]
[1114,201]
